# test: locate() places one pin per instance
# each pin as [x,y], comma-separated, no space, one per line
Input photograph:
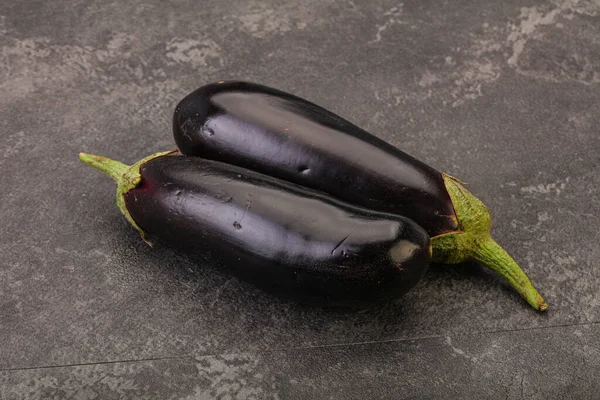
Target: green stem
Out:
[114,169]
[473,242]
[491,255]
[126,176]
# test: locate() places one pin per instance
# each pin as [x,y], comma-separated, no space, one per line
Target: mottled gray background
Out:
[503,94]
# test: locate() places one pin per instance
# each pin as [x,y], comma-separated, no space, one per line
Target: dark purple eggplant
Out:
[284,136]
[288,240]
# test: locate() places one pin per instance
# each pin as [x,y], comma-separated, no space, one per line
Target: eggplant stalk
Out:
[474,242]
[126,176]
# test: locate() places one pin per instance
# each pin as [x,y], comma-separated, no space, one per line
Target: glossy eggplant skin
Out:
[286,239]
[284,136]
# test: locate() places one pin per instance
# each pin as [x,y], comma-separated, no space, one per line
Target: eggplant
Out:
[287,137]
[286,239]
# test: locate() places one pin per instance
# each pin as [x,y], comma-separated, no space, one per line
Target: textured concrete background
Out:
[503,94]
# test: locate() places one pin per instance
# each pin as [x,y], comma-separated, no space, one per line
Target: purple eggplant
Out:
[284,136]
[286,239]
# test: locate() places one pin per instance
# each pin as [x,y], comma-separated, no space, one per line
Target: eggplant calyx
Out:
[126,176]
[474,242]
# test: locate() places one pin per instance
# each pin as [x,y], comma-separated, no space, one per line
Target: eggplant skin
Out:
[284,136]
[284,238]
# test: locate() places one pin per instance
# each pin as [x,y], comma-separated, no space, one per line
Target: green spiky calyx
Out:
[474,242]
[126,176]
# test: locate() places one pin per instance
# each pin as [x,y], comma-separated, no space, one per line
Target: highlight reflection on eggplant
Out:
[284,238]
[287,137]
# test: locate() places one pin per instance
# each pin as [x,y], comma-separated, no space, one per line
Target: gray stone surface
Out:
[504,95]
[513,365]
